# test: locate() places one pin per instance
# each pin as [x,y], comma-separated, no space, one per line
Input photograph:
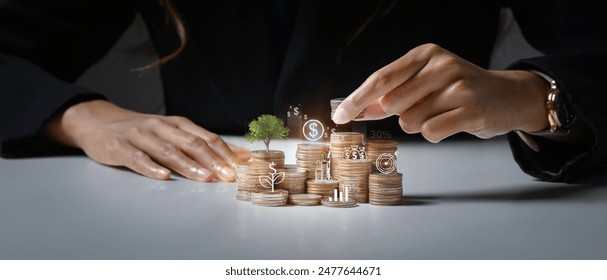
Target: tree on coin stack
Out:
[264,163]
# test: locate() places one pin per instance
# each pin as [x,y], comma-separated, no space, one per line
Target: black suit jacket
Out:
[236,66]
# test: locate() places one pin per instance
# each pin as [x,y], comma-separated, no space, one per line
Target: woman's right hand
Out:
[151,145]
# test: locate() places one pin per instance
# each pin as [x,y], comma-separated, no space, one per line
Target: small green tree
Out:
[266,128]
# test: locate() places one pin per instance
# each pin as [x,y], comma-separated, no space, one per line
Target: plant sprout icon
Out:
[272,179]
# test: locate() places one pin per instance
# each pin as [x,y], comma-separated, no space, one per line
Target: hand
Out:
[148,144]
[440,94]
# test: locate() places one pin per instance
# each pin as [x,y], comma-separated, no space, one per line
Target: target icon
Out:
[386,163]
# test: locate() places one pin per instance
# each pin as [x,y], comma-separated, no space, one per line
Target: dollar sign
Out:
[296,111]
[313,131]
[288,114]
[305,116]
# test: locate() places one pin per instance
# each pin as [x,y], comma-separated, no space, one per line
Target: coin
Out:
[337,101]
[304,199]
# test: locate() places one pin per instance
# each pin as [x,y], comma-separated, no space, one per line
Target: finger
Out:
[444,125]
[373,111]
[214,141]
[171,156]
[243,154]
[381,82]
[198,150]
[138,161]
[435,77]
[427,108]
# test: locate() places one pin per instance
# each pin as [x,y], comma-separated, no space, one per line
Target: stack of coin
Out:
[337,101]
[247,179]
[304,199]
[377,148]
[327,201]
[386,189]
[294,181]
[308,156]
[354,174]
[323,188]
[340,141]
[264,158]
[270,198]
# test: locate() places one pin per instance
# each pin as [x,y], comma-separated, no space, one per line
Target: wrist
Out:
[533,111]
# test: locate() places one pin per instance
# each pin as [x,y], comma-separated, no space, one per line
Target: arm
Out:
[573,38]
[439,94]
[44,47]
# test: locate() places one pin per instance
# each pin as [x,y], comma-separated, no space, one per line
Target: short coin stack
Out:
[354,174]
[270,198]
[386,189]
[382,149]
[323,188]
[294,181]
[327,201]
[340,141]
[308,156]
[304,199]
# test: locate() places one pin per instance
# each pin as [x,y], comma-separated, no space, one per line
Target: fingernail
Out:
[228,173]
[163,173]
[204,174]
[341,116]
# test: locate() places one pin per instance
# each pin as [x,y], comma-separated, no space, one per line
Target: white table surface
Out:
[464,200]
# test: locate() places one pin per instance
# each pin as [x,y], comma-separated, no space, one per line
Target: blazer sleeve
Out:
[573,37]
[44,47]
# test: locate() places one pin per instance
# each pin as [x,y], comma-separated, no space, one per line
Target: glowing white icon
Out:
[323,171]
[313,130]
[273,179]
[343,196]
[354,152]
[386,163]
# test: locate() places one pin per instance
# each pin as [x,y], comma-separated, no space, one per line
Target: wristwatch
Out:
[560,117]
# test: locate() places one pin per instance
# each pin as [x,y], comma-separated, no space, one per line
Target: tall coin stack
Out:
[339,142]
[308,155]
[381,149]
[386,189]
[354,175]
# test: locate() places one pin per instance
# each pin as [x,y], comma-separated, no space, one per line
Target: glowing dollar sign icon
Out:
[288,114]
[305,116]
[296,111]
[313,130]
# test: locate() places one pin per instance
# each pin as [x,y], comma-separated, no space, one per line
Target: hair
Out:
[175,18]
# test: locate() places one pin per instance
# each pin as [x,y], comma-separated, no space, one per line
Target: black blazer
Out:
[237,65]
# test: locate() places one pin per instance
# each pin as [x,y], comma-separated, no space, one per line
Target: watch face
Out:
[564,113]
